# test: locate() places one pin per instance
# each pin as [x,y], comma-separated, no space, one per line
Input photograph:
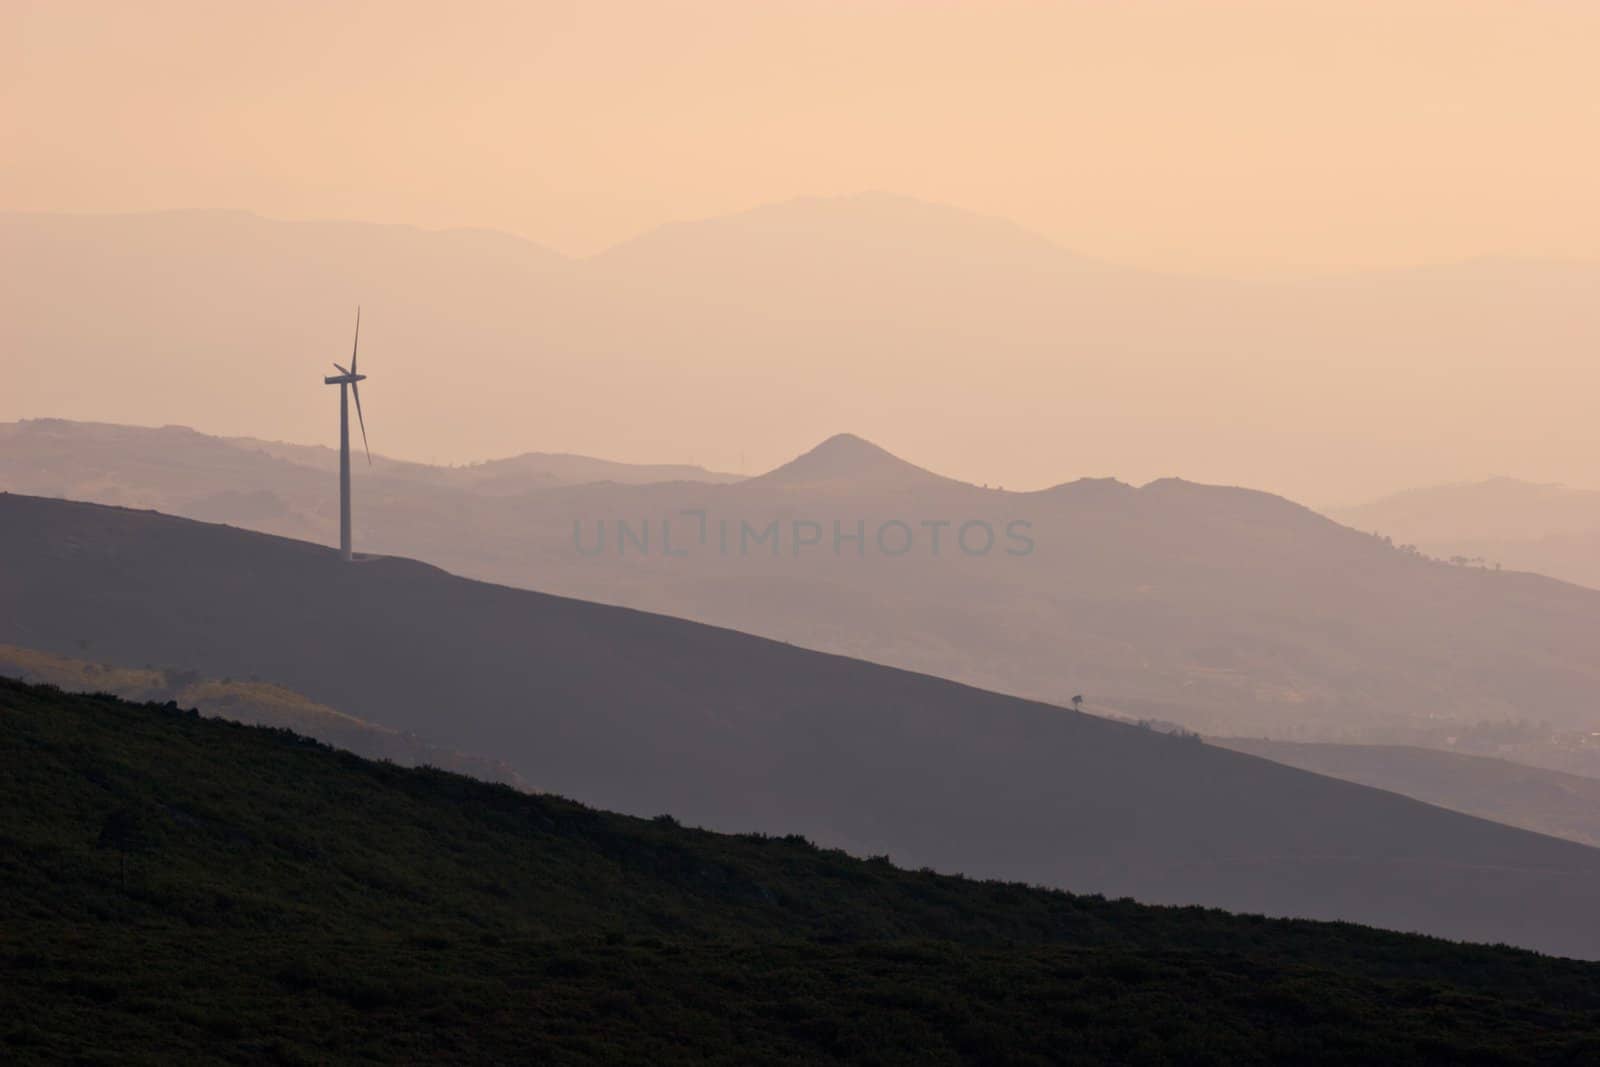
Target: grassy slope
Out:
[252,701]
[176,886]
[1545,801]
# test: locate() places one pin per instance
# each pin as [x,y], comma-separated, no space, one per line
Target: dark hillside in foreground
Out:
[177,888]
[646,714]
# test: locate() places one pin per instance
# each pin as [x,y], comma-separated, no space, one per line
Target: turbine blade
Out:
[340,369]
[357,344]
[357,391]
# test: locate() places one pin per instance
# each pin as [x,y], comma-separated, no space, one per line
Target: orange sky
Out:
[1228,136]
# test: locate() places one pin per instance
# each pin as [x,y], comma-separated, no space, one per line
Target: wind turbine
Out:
[346,381]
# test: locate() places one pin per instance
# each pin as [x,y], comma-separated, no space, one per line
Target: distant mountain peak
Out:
[846,460]
[849,445]
[883,230]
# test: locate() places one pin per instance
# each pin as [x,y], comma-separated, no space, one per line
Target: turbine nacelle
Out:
[350,377]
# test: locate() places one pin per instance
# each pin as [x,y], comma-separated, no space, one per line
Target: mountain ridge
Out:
[1225,609]
[644,714]
[1470,263]
[1545,526]
[1115,369]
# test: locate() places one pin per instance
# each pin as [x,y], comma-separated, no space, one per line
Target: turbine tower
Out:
[346,381]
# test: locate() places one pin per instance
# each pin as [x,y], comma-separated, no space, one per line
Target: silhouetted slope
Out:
[180,889]
[1504,508]
[535,470]
[254,702]
[1234,612]
[177,467]
[1534,798]
[1551,529]
[648,714]
[512,474]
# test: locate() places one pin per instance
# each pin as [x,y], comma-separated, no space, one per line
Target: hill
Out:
[646,714]
[180,888]
[848,462]
[1235,613]
[762,332]
[1534,798]
[506,476]
[1552,529]
[251,701]
[275,486]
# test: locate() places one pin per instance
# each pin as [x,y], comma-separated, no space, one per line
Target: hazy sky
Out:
[1218,135]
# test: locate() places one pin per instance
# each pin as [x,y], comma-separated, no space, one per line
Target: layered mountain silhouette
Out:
[271,485]
[762,331]
[1534,798]
[648,714]
[507,476]
[1228,611]
[1552,529]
